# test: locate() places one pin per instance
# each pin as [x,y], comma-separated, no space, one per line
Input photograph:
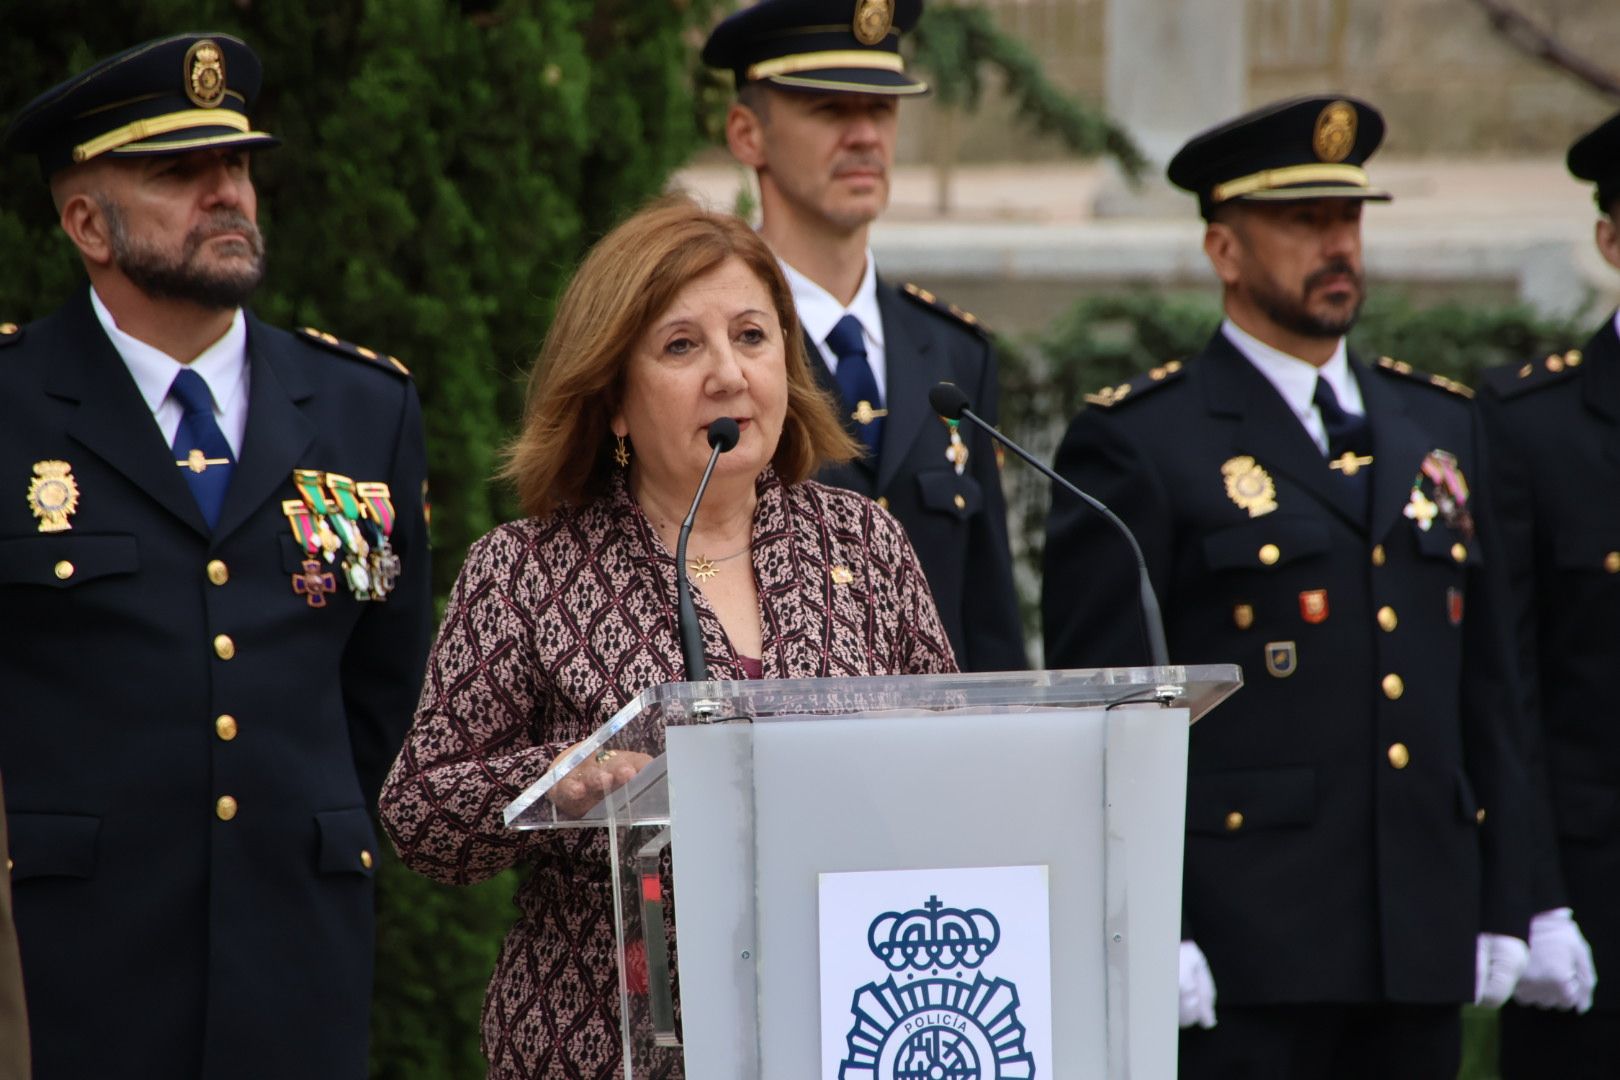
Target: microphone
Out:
[948,400]
[723,436]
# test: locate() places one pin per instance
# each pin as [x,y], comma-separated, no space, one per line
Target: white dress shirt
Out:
[1295,379]
[819,312]
[223,366]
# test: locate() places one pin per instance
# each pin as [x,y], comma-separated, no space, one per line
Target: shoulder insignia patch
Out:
[1163,375]
[1405,370]
[349,349]
[1511,380]
[928,299]
[10,333]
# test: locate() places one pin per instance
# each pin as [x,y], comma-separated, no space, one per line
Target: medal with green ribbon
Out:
[357,557]
[311,485]
[378,505]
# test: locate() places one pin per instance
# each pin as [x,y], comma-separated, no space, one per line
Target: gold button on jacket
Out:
[64,570]
[218,572]
[1399,755]
[1394,686]
[225,726]
[224,647]
[1269,554]
[1234,821]
[225,808]
[1386,618]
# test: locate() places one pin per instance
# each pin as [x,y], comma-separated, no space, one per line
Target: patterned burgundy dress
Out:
[553,625]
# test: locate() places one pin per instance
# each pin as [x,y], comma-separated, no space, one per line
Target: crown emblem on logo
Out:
[205,74]
[933,936]
[938,1020]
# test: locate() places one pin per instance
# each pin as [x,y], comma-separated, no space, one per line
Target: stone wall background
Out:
[1448,83]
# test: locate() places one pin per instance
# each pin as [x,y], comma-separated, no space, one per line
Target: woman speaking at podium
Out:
[676,319]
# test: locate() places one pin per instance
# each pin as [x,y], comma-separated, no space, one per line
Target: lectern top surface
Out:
[640,724]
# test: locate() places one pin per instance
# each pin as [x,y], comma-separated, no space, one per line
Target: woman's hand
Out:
[605,771]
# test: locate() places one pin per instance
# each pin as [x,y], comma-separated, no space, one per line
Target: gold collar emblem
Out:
[205,75]
[1249,485]
[872,20]
[53,495]
[1335,133]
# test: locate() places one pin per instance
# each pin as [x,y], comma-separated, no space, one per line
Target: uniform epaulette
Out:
[349,349]
[1163,375]
[928,299]
[1402,368]
[10,333]
[1510,381]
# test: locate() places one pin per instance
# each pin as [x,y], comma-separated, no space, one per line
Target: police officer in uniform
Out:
[1352,858]
[1553,424]
[818,90]
[214,562]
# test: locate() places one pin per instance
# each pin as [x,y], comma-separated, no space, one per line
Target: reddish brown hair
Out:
[562,455]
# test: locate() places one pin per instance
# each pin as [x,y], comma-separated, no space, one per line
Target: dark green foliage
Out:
[444,167]
[1105,340]
[955,44]
[436,947]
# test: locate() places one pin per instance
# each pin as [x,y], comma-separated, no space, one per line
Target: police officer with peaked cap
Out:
[212,549]
[818,90]
[1553,424]
[1353,844]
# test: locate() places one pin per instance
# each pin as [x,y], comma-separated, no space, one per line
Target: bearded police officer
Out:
[818,89]
[1553,424]
[214,562]
[1353,859]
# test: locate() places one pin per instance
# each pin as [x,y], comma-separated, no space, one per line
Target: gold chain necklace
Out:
[703,568]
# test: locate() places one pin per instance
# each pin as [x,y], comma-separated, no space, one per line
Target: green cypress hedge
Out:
[445,164]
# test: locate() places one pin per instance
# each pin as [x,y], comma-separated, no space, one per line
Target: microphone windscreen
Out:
[948,400]
[724,434]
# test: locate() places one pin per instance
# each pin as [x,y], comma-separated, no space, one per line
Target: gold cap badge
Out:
[205,74]
[1335,132]
[873,18]
[53,495]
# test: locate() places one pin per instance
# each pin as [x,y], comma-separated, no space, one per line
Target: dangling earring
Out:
[621,453]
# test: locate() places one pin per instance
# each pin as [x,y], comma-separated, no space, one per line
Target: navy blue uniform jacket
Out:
[1335,849]
[159,940]
[956,524]
[1554,431]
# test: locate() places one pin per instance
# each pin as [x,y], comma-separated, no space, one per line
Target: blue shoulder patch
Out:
[354,352]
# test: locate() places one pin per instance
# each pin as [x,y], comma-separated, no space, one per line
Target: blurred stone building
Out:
[1449,83]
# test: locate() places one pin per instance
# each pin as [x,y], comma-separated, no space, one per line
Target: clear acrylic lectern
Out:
[758,788]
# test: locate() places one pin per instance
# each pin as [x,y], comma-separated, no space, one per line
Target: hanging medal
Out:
[311,485]
[378,505]
[957,452]
[357,549]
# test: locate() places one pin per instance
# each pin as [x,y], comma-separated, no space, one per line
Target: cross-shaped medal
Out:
[314,583]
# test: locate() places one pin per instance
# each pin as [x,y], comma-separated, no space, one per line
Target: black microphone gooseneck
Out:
[948,400]
[723,435]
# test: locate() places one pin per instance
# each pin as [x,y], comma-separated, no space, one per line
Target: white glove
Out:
[1197,988]
[1560,973]
[1498,962]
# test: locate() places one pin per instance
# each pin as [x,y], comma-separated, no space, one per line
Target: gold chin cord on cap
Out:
[605,756]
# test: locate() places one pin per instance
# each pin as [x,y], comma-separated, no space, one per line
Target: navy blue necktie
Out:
[1349,444]
[199,446]
[856,383]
